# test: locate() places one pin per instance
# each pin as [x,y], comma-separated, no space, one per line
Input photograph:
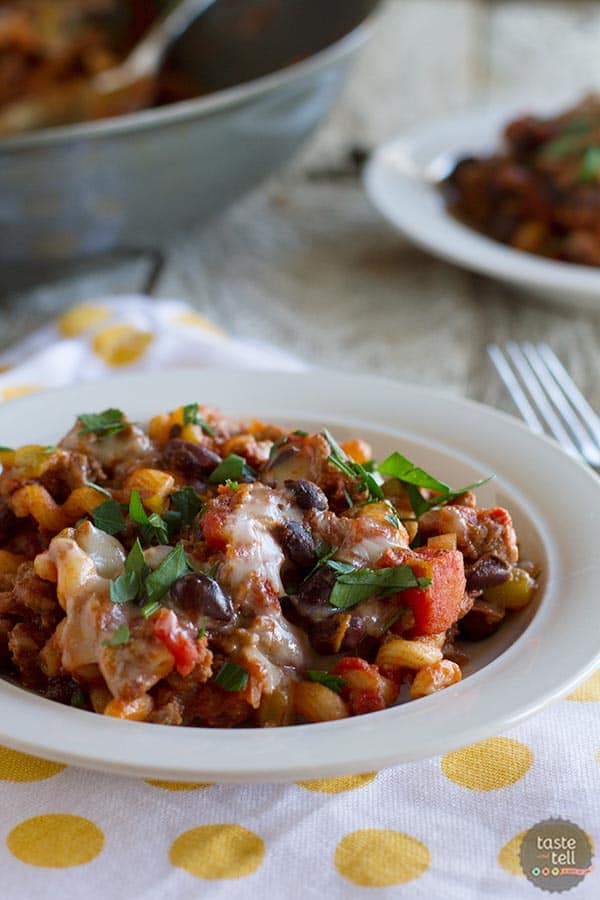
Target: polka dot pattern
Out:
[339,785]
[80,319]
[216,852]
[489,765]
[508,856]
[589,691]
[375,857]
[20,767]
[121,345]
[56,841]
[178,785]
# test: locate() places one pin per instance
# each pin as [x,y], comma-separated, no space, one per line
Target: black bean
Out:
[297,543]
[61,689]
[312,598]
[200,593]
[326,635]
[487,572]
[481,621]
[8,521]
[307,494]
[192,460]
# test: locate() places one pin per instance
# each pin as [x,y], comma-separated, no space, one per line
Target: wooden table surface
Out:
[307,263]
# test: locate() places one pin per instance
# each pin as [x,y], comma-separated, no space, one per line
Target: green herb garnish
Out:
[108,517]
[120,636]
[187,503]
[590,166]
[191,416]
[352,587]
[7,450]
[333,682]
[130,585]
[233,468]
[78,699]
[355,471]
[171,568]
[98,488]
[148,609]
[102,424]
[277,444]
[231,677]
[152,527]
[398,466]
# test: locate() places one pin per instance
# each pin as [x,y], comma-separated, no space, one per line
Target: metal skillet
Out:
[268,71]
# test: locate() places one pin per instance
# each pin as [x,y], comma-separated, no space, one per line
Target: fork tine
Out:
[546,411]
[584,440]
[562,377]
[514,388]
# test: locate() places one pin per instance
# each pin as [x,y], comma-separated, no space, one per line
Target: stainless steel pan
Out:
[271,69]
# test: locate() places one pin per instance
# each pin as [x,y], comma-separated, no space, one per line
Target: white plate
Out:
[401,181]
[555,502]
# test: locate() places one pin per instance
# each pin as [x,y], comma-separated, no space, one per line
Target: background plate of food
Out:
[137,600]
[510,190]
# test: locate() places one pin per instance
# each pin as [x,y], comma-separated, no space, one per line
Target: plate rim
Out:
[261,764]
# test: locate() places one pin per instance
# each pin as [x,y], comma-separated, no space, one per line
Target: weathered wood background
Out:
[307,263]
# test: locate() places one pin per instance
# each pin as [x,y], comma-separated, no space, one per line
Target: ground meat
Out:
[24,643]
[168,708]
[34,599]
[479,532]
[216,708]
[481,621]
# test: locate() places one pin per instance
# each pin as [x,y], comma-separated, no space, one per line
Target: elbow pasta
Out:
[217,573]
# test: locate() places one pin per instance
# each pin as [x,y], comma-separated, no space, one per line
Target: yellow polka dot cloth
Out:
[95,340]
[448,828]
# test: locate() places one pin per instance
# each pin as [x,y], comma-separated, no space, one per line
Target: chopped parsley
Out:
[98,488]
[231,677]
[233,468]
[152,527]
[187,504]
[102,424]
[277,444]
[120,636]
[355,471]
[413,477]
[108,517]
[333,682]
[78,699]
[130,585]
[191,416]
[353,586]
[171,568]
[590,166]
[6,450]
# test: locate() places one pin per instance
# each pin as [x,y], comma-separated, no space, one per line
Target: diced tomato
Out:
[213,521]
[166,628]
[365,689]
[437,606]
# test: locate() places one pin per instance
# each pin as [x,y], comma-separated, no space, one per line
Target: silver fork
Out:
[548,398]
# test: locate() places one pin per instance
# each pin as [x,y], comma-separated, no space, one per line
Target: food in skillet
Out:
[219,573]
[541,194]
[49,46]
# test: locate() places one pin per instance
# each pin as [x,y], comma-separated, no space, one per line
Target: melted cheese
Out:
[84,596]
[254,558]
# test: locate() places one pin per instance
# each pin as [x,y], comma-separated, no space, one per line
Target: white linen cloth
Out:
[445,828]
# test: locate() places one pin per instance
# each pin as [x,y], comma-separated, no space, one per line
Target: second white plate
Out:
[401,181]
